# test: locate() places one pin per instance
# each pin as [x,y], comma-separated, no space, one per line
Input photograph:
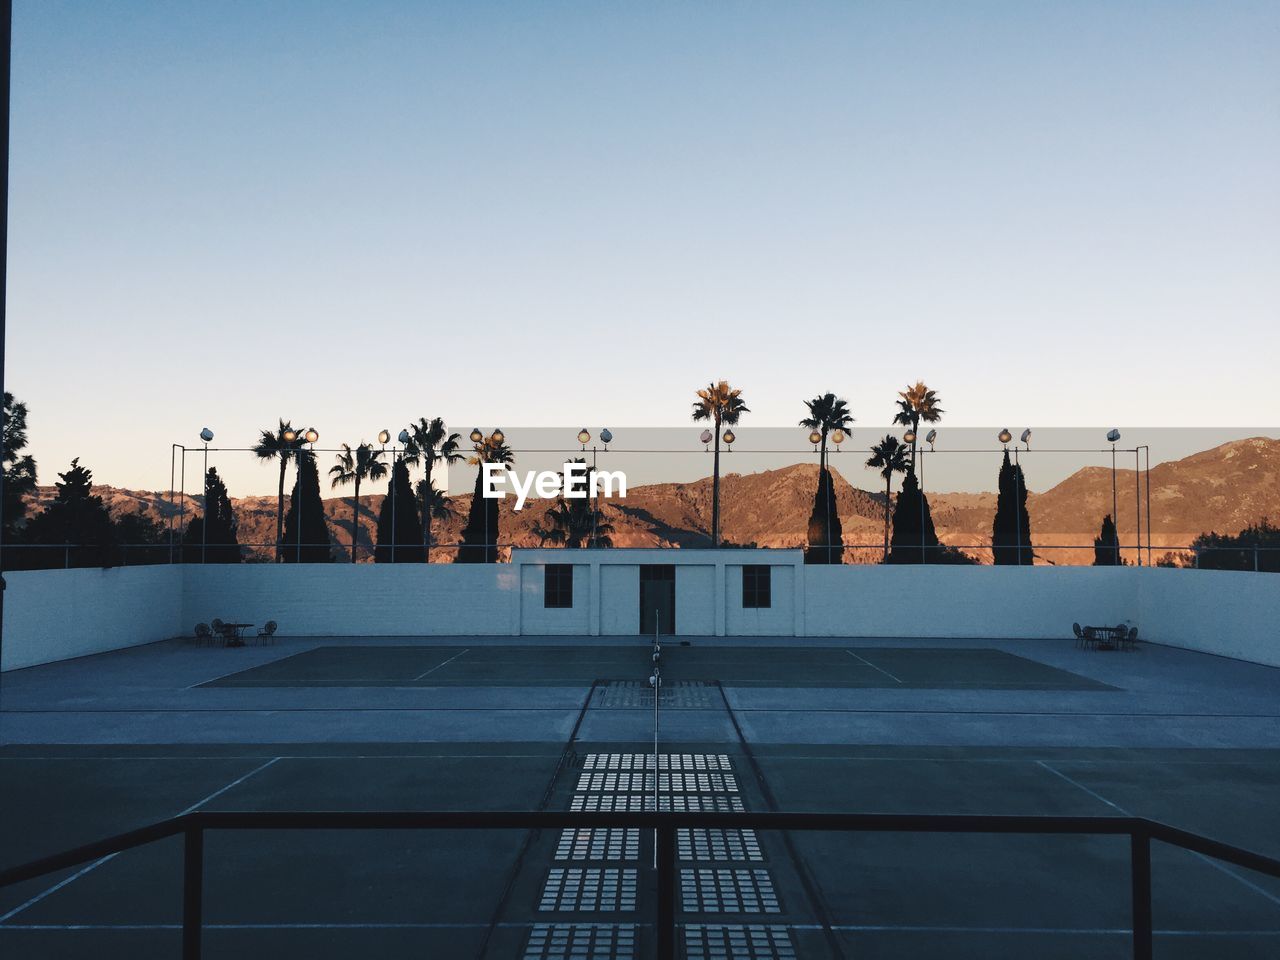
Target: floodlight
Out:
[1005,435]
[384,437]
[498,436]
[1113,434]
[729,437]
[931,436]
[311,435]
[815,437]
[909,436]
[404,437]
[206,434]
[584,436]
[705,436]
[476,435]
[837,436]
[606,435]
[1026,436]
[290,435]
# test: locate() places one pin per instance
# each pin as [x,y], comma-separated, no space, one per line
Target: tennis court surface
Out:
[108,743]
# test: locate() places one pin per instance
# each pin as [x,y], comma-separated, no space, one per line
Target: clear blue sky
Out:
[354,214]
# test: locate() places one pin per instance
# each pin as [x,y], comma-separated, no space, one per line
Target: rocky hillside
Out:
[1222,489]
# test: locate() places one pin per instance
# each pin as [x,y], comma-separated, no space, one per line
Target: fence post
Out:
[192,891]
[1140,853]
[666,920]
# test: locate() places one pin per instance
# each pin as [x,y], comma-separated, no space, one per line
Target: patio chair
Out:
[1079,634]
[267,634]
[203,634]
[220,630]
[1131,641]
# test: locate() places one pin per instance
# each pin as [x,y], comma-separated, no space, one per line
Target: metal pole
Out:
[204,521]
[1147,459]
[172,458]
[1137,489]
[393,504]
[1140,854]
[182,498]
[1115,504]
[192,892]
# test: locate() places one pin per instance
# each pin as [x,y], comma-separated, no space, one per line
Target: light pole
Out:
[1005,437]
[384,437]
[311,436]
[1113,435]
[206,435]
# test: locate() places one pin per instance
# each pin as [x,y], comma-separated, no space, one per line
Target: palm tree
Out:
[434,505]
[430,443]
[889,457]
[281,444]
[580,523]
[357,465]
[826,413]
[915,404]
[722,405]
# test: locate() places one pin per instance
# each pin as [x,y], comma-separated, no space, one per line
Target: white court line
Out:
[873,666]
[439,665]
[111,856]
[1056,931]
[1216,864]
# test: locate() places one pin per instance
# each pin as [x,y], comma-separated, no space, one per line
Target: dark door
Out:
[657,598]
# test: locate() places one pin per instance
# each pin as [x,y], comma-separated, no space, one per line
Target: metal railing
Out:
[193,827]
[41,556]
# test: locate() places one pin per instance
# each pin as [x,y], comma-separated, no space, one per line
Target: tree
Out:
[827,413]
[19,470]
[433,504]
[142,539]
[1106,545]
[826,533]
[889,457]
[211,538]
[1011,530]
[429,444]
[722,405]
[480,535]
[306,532]
[399,530]
[917,404]
[1256,547]
[356,466]
[914,538]
[77,521]
[578,521]
[282,445]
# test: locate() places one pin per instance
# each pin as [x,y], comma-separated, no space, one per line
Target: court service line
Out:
[66,881]
[1216,864]
[873,666]
[445,663]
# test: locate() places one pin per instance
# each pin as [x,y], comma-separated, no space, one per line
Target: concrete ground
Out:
[103,744]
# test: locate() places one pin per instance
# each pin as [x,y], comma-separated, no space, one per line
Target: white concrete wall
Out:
[337,599]
[537,620]
[977,602]
[1228,613]
[59,614]
[620,599]
[776,620]
[695,600]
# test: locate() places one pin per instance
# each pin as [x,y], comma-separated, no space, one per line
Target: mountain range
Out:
[1223,489]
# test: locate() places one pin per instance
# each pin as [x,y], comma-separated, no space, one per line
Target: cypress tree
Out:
[76,517]
[1106,545]
[306,539]
[399,508]
[211,538]
[915,540]
[826,535]
[480,535]
[1011,529]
